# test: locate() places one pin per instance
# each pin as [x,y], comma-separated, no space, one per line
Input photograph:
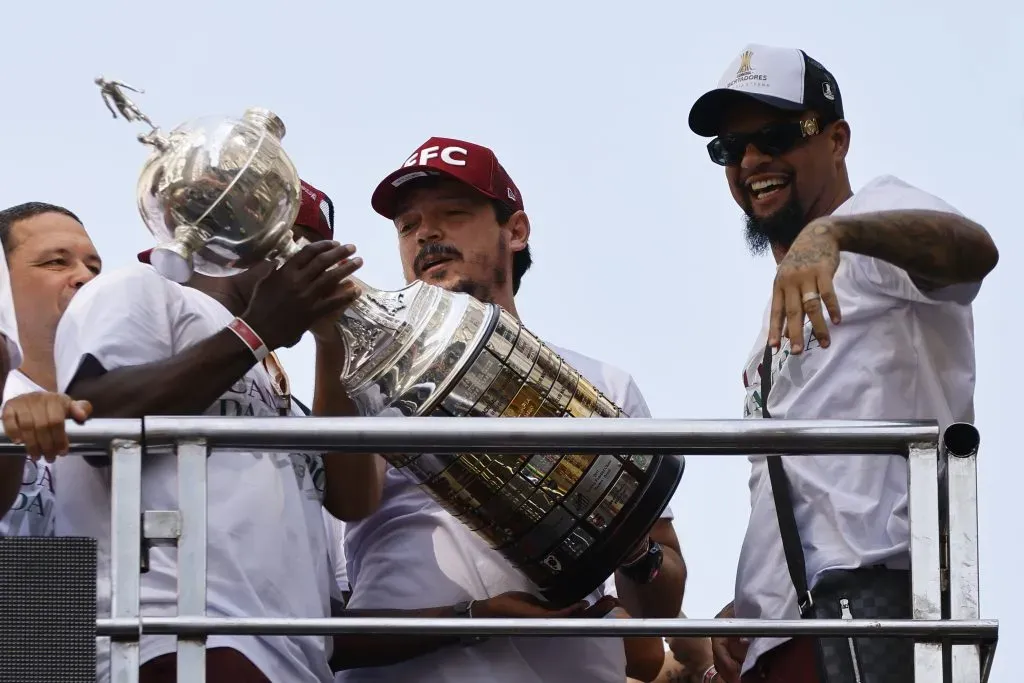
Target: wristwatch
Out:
[645,568]
[464,609]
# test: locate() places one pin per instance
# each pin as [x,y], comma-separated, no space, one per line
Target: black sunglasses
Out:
[773,140]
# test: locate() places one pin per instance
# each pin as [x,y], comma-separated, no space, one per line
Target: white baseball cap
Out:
[784,78]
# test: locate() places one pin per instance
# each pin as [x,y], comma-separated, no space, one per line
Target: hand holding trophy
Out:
[220,194]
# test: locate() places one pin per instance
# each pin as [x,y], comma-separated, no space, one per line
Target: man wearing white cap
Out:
[869,318]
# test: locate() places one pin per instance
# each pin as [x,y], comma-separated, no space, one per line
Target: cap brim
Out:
[385,198]
[708,111]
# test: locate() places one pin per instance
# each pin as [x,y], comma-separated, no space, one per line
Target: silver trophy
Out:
[220,195]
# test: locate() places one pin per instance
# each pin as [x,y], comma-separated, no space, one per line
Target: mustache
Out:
[433,250]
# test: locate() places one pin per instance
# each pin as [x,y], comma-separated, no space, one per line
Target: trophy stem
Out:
[370,334]
[363,326]
[174,259]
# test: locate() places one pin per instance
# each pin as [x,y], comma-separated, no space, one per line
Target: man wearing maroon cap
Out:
[136,344]
[462,225]
[461,185]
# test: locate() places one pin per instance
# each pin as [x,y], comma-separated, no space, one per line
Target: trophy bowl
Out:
[220,194]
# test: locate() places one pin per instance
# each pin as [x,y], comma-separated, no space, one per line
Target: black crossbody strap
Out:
[791,544]
[302,407]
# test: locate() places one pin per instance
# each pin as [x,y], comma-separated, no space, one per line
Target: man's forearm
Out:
[186,384]
[356,651]
[663,597]
[355,481]
[12,470]
[686,669]
[645,657]
[936,248]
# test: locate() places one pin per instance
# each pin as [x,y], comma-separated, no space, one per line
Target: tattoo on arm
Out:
[936,248]
[678,677]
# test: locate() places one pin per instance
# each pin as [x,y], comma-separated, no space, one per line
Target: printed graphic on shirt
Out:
[32,511]
[316,485]
[242,399]
[248,397]
[752,374]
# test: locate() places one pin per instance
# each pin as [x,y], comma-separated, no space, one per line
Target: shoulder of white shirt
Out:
[618,381]
[134,282]
[888,192]
[17,384]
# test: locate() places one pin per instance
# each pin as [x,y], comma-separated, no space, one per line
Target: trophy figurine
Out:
[220,194]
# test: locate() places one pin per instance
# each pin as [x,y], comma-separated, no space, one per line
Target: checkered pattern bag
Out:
[865,593]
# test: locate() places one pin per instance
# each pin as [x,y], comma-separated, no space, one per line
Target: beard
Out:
[479,288]
[481,291]
[779,229]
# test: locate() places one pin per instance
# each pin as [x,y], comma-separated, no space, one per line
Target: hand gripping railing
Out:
[952,643]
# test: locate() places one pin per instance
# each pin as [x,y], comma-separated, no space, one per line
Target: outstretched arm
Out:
[207,369]
[936,248]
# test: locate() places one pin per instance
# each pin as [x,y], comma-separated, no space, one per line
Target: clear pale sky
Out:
[639,255]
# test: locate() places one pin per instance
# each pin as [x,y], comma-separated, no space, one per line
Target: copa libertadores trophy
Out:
[220,194]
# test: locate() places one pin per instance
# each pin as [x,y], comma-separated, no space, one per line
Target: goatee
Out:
[477,290]
[780,228]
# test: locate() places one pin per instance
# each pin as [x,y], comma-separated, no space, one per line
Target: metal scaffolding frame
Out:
[952,642]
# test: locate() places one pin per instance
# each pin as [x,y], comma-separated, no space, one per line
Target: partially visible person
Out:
[48,258]
[684,660]
[135,344]
[645,656]
[341,591]
[461,225]
[689,660]
[869,317]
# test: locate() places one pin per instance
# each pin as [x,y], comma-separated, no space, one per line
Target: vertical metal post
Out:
[125,554]
[192,501]
[923,508]
[960,446]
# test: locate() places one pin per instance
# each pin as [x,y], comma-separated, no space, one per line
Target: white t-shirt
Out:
[8,318]
[335,529]
[897,354]
[266,545]
[411,554]
[32,511]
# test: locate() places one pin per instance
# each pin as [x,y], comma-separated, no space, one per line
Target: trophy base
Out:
[601,562]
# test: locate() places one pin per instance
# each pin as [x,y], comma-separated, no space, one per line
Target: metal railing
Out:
[952,642]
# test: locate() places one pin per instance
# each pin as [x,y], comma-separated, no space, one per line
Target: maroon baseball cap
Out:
[471,164]
[316,212]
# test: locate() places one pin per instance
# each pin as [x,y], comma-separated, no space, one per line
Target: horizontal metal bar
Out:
[967,630]
[522,435]
[526,435]
[91,438]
